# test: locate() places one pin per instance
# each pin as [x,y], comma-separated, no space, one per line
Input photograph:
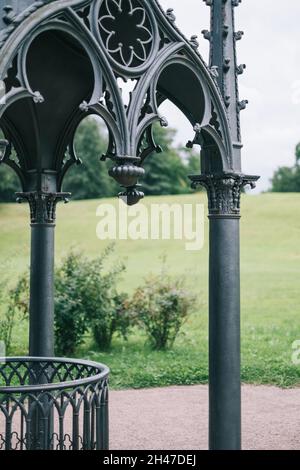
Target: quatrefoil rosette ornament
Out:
[128,32]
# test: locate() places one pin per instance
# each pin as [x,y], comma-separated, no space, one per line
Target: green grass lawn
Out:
[270,289]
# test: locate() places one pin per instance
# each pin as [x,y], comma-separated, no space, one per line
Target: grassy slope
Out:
[270,289]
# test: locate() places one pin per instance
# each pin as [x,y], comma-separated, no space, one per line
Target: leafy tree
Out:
[193,164]
[90,180]
[298,154]
[166,173]
[9,184]
[287,179]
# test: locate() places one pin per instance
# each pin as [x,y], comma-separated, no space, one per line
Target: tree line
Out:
[166,173]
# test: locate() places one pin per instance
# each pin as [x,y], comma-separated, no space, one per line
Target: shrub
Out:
[86,298]
[69,325]
[160,307]
[70,321]
[16,309]
[112,318]
[103,305]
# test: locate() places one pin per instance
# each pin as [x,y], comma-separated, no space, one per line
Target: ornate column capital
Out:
[224,192]
[42,205]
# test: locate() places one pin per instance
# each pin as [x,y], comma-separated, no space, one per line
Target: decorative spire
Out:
[223,38]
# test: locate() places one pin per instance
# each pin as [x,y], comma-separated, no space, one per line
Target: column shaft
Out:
[41,331]
[224,335]
[224,193]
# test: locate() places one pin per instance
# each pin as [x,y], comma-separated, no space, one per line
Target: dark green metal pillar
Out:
[224,334]
[41,333]
[224,193]
[42,209]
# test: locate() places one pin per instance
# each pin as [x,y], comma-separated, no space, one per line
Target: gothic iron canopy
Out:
[62,60]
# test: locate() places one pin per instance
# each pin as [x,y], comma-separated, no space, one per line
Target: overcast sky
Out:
[271,83]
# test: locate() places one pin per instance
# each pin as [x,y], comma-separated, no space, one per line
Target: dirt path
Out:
[176,418]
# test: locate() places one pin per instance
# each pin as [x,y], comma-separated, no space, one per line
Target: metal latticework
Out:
[53,404]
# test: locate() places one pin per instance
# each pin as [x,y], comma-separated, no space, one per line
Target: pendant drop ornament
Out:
[127,173]
[132,196]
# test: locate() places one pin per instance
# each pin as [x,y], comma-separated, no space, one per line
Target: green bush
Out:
[15,311]
[160,307]
[104,310]
[86,298]
[70,320]
[111,317]
[87,301]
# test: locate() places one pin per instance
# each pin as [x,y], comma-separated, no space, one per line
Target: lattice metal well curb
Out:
[53,404]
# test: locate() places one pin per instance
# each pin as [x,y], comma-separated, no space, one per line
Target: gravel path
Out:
[176,418]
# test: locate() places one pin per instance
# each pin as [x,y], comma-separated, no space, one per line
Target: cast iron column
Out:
[224,193]
[42,211]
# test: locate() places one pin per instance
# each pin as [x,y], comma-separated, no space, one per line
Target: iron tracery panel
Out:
[126,32]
